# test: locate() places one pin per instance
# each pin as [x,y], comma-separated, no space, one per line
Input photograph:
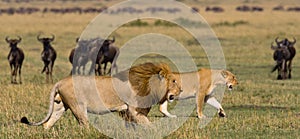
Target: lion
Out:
[208,80]
[147,84]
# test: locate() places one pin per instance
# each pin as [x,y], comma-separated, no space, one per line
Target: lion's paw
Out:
[201,116]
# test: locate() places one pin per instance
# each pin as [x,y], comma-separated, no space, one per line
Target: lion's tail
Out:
[52,96]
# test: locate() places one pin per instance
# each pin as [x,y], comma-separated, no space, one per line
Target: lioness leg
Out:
[214,102]
[58,111]
[200,102]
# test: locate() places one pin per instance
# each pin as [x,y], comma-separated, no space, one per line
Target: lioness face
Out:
[174,87]
[230,79]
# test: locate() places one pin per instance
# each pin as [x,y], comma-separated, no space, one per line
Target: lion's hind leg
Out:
[80,113]
[58,111]
[138,115]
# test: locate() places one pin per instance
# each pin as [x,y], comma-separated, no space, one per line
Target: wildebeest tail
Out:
[275,67]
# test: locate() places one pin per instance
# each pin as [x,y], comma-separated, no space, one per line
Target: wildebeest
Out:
[215,9]
[15,58]
[48,55]
[278,8]
[107,54]
[246,8]
[284,52]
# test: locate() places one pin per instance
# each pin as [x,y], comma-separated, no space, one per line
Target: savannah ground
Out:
[259,107]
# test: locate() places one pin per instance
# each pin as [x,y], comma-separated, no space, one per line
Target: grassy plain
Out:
[260,107]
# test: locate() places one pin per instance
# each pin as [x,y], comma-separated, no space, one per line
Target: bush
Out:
[138,23]
[164,23]
[233,24]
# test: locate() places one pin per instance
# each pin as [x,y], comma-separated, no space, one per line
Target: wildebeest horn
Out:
[53,37]
[113,40]
[38,37]
[7,39]
[19,39]
[294,40]
[272,46]
[276,40]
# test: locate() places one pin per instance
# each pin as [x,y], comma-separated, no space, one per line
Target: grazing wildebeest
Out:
[278,8]
[48,56]
[284,53]
[15,58]
[108,53]
[215,9]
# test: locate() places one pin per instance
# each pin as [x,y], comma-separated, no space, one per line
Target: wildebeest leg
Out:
[290,69]
[47,74]
[114,67]
[104,69]
[98,70]
[285,70]
[20,77]
[11,74]
[45,66]
[78,70]
[279,77]
[83,69]
[15,69]
[93,67]
[73,71]
[50,71]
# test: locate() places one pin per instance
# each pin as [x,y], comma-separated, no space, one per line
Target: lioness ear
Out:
[161,75]
[224,73]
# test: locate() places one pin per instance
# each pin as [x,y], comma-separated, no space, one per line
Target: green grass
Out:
[260,106]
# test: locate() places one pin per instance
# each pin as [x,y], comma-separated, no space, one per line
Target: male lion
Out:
[208,79]
[147,84]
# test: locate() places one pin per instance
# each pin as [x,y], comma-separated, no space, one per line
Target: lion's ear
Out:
[161,75]
[224,73]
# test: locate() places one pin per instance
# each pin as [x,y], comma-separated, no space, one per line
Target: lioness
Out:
[208,80]
[147,85]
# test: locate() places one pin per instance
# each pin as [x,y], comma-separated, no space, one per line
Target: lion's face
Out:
[230,79]
[174,87]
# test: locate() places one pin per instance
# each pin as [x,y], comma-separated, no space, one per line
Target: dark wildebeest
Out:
[278,8]
[108,57]
[48,56]
[215,9]
[106,53]
[284,53]
[81,58]
[15,58]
